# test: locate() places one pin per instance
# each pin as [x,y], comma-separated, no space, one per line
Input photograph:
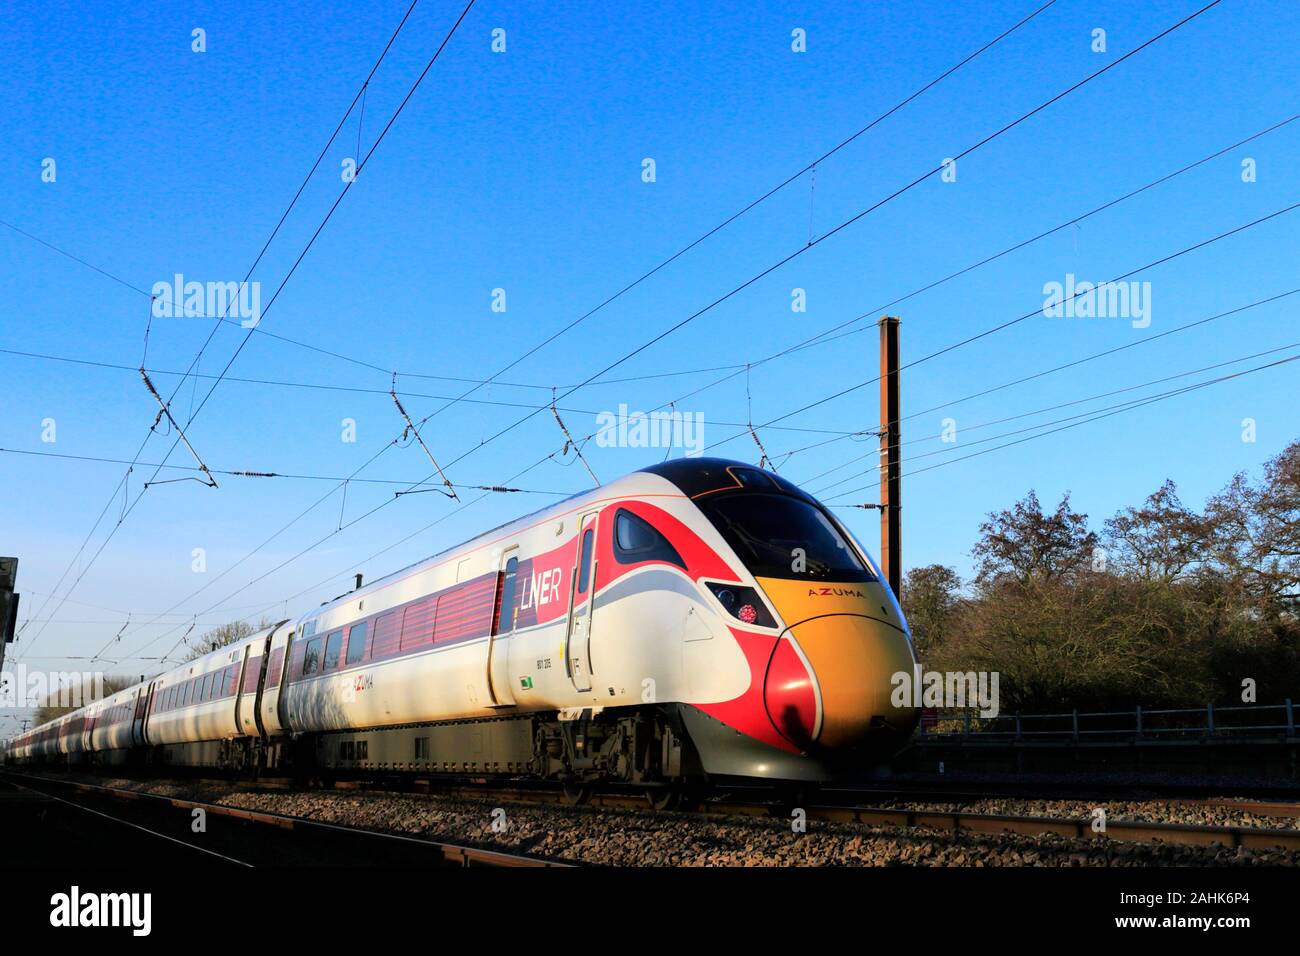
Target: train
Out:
[697,622]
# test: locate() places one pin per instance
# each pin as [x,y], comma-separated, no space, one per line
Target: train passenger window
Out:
[205,689]
[505,614]
[637,540]
[584,561]
[333,650]
[386,639]
[357,642]
[311,658]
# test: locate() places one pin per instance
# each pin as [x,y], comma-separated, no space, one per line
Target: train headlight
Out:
[743,603]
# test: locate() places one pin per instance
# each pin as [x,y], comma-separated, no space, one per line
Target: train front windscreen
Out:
[778,536]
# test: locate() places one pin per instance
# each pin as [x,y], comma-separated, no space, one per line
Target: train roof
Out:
[691,476]
[627,484]
[701,476]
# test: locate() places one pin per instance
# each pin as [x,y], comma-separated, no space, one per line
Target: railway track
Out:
[1265,808]
[244,838]
[877,816]
[840,806]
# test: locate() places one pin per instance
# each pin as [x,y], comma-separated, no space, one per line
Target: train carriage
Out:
[697,620]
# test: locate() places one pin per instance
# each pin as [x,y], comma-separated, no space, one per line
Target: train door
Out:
[577,654]
[141,707]
[244,701]
[503,629]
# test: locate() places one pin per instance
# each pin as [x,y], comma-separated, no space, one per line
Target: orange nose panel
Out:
[853,659]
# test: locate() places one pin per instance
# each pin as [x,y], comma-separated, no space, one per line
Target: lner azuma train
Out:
[700,620]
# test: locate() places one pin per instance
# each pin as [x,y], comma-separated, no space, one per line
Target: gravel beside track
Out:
[1147,811]
[620,837]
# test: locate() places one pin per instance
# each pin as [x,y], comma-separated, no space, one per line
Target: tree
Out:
[1160,540]
[220,637]
[48,710]
[931,595]
[1275,528]
[1023,543]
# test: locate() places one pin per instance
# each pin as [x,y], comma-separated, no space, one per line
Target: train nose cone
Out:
[830,679]
[789,695]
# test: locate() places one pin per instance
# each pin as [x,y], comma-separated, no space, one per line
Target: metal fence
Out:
[1208,722]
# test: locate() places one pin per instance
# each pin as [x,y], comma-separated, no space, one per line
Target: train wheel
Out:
[577,792]
[664,798]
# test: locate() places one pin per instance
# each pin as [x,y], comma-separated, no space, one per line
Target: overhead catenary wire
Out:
[1112,64]
[684,250]
[446,516]
[1162,260]
[410,426]
[297,262]
[819,338]
[81,549]
[663,264]
[1074,363]
[750,206]
[1187,250]
[1124,407]
[570,443]
[347,389]
[1041,411]
[849,222]
[870,315]
[250,473]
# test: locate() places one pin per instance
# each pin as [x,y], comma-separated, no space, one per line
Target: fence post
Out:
[1017,725]
[1137,711]
[1209,719]
[1290,719]
[1076,723]
[965,719]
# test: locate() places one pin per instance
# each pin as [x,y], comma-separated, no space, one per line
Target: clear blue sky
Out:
[522,171]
